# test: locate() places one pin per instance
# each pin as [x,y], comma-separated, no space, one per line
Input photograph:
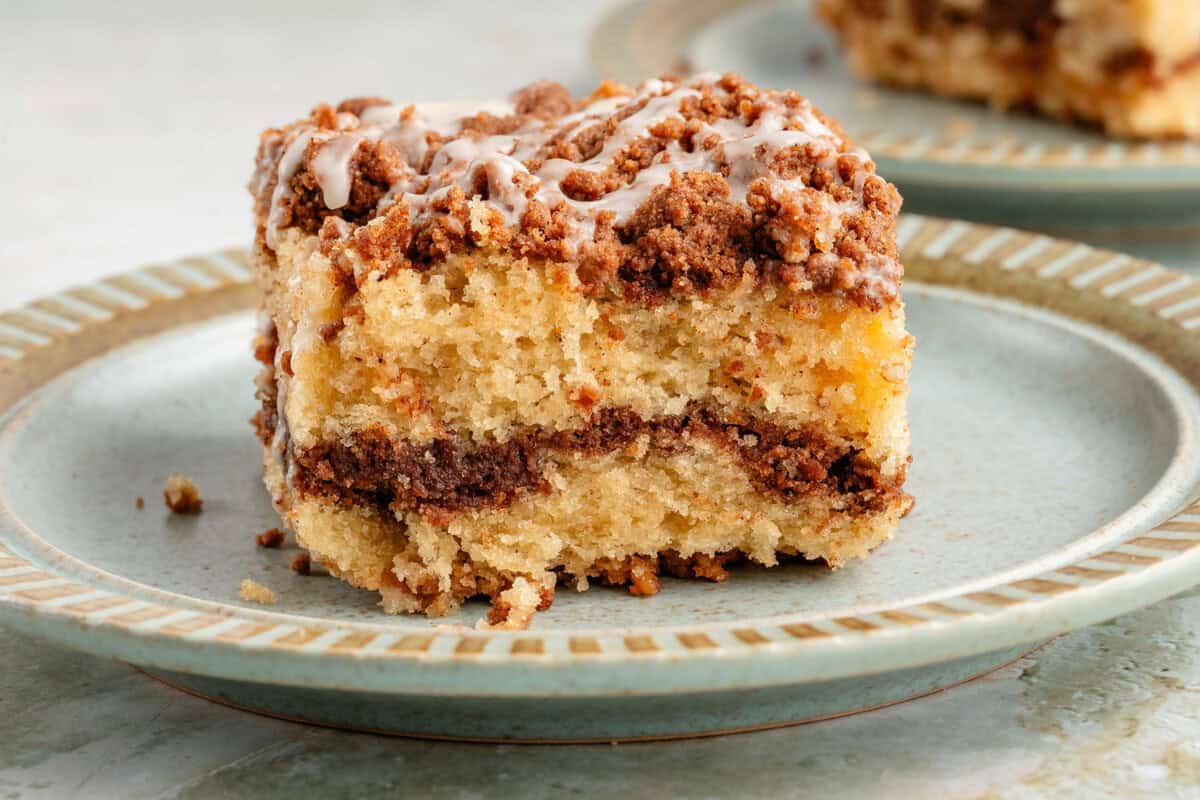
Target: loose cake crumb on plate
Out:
[254,592]
[271,537]
[182,495]
[302,564]
[514,607]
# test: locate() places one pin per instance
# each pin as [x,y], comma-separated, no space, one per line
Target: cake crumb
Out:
[255,592]
[271,537]
[513,608]
[140,503]
[302,564]
[182,495]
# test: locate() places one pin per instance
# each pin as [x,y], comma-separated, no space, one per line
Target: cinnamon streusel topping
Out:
[673,188]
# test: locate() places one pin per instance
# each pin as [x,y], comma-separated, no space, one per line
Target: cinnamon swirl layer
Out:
[456,474]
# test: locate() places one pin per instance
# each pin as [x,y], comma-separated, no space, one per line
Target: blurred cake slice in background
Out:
[653,330]
[1130,66]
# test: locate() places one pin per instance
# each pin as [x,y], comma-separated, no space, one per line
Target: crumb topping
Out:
[182,495]
[675,187]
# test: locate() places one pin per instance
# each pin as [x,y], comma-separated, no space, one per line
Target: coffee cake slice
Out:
[653,330]
[1132,66]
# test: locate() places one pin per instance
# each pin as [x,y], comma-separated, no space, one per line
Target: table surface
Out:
[129,139]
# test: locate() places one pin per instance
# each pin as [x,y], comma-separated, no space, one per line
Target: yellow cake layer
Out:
[485,345]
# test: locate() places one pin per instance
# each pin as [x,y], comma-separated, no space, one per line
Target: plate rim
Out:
[655,41]
[68,330]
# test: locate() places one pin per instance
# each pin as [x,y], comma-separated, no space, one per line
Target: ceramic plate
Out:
[947,157]
[1056,423]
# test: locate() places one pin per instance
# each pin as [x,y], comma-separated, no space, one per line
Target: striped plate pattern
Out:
[68,323]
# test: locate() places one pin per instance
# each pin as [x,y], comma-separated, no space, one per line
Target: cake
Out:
[1131,66]
[559,341]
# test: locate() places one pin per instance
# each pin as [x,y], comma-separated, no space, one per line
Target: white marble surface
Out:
[127,139]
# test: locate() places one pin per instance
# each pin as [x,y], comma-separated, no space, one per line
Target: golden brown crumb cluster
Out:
[674,188]
[254,592]
[640,575]
[182,495]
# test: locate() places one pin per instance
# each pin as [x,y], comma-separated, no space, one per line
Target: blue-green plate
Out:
[1056,423]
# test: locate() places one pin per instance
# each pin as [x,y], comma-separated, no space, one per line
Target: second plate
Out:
[948,157]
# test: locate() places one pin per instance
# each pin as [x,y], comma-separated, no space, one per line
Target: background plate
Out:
[948,157]
[1054,415]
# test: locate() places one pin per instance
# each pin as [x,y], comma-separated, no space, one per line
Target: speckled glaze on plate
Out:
[1055,416]
[954,158]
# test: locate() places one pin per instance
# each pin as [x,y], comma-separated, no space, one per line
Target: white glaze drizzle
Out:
[331,167]
[289,162]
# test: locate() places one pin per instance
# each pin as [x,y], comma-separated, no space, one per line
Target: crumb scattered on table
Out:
[271,537]
[302,564]
[815,56]
[254,592]
[182,495]
[140,503]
